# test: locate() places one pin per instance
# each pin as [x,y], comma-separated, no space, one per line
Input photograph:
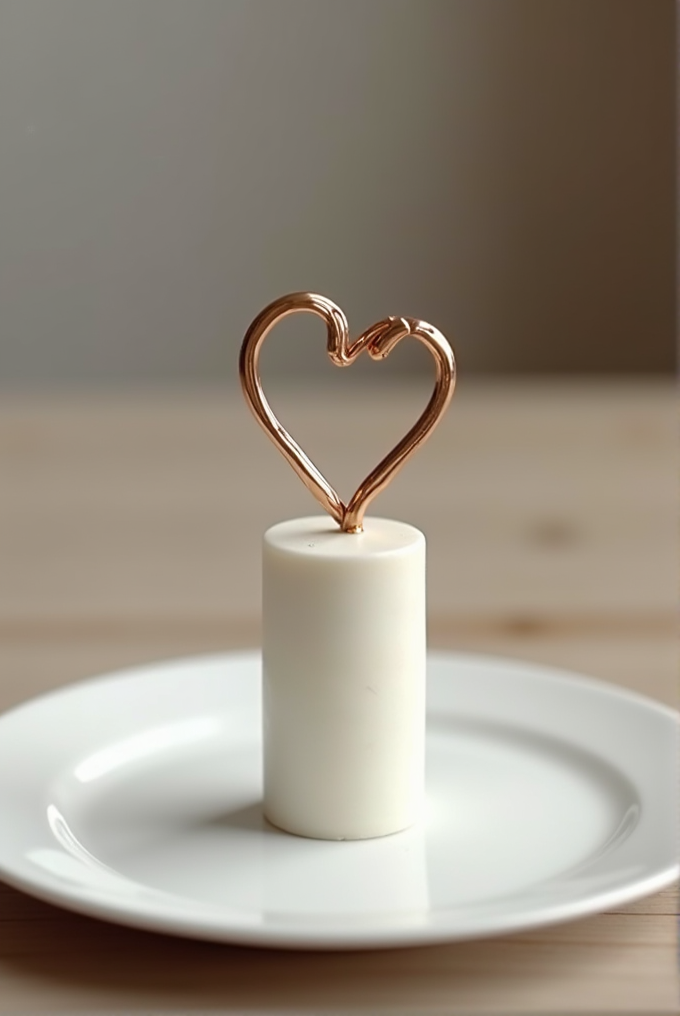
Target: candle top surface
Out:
[320,536]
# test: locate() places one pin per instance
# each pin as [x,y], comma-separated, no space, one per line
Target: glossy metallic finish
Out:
[379,340]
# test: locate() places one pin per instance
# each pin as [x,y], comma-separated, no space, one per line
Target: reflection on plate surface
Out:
[537,809]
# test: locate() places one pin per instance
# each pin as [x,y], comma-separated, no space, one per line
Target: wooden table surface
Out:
[130,530]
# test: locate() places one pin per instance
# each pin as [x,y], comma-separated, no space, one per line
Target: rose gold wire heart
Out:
[379,340]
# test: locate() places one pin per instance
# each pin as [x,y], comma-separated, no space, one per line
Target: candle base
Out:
[344,647]
[311,831]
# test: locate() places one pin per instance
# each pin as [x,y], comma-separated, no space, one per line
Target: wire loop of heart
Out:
[379,340]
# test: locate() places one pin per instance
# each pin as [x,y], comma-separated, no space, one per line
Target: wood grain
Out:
[129,531]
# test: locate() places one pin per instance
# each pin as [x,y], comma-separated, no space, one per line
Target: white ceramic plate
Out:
[134,798]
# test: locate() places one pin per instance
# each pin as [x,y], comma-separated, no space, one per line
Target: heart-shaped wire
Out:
[379,340]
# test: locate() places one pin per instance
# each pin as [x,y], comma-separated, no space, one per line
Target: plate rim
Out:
[370,938]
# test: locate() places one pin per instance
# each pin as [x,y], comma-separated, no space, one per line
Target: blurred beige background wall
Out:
[504,168]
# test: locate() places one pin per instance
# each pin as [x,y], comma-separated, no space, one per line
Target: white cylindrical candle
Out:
[343,677]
